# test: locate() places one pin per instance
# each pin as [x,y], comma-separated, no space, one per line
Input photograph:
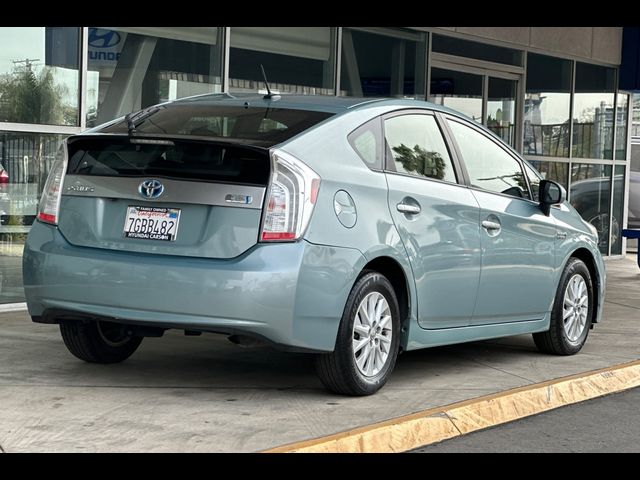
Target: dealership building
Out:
[561,96]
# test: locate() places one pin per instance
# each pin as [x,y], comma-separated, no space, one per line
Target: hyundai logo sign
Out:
[150,189]
[100,38]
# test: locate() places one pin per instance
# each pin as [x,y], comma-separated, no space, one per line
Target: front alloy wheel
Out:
[571,314]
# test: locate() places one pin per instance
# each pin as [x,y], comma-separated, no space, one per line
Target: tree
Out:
[421,161]
[29,98]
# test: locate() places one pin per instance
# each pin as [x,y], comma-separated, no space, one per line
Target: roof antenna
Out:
[269,95]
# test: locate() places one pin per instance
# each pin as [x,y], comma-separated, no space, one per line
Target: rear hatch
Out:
[191,183]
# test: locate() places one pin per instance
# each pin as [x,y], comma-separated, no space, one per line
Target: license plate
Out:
[152,223]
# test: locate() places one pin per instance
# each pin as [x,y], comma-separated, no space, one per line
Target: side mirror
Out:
[550,193]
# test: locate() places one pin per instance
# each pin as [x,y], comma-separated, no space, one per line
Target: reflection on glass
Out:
[593,112]
[134,67]
[501,108]
[481,51]
[556,171]
[296,59]
[546,106]
[418,148]
[621,128]
[489,166]
[618,210]
[383,65]
[635,116]
[39,75]
[591,195]
[24,165]
[534,182]
[458,90]
[633,220]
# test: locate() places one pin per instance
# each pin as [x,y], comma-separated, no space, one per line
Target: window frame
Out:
[489,136]
[388,161]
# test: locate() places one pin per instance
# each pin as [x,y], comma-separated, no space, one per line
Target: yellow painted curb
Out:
[440,423]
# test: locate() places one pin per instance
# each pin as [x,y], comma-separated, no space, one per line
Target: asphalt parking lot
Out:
[203,394]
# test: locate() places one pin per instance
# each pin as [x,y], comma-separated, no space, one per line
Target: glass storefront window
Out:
[618,210]
[480,51]
[39,79]
[458,90]
[501,108]
[591,196]
[133,67]
[635,116]
[621,126]
[633,220]
[556,171]
[296,59]
[383,65]
[593,111]
[25,161]
[546,106]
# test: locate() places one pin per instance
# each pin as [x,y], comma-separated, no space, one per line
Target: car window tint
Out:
[534,181]
[365,140]
[416,145]
[489,166]
[253,124]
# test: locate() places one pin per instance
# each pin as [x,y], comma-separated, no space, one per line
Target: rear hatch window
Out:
[258,126]
[189,160]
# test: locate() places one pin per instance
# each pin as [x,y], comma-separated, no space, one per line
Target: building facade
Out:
[550,92]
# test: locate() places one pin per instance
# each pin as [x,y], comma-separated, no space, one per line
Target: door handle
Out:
[489,225]
[406,208]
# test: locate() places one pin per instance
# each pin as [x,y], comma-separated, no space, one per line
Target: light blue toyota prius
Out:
[353,229]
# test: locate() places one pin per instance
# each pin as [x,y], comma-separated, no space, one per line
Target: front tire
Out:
[98,341]
[368,339]
[571,314]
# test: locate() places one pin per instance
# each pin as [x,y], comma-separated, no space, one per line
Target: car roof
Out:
[321,103]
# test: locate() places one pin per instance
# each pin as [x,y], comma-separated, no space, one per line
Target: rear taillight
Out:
[291,195]
[49,206]
[4,176]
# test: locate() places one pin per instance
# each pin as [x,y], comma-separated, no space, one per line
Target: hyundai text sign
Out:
[105,46]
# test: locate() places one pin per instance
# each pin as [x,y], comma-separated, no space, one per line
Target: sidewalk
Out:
[204,394]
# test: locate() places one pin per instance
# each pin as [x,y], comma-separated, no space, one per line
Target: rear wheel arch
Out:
[398,278]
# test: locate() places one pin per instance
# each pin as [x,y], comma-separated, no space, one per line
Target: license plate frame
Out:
[146,223]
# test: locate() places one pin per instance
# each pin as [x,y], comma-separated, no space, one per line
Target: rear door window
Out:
[415,146]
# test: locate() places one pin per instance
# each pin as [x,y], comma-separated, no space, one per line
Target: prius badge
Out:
[150,189]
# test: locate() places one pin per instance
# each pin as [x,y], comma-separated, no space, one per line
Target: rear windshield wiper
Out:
[138,118]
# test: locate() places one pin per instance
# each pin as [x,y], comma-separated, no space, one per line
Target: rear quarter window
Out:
[366,140]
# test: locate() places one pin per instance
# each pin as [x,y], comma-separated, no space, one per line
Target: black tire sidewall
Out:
[84,340]
[369,282]
[574,266]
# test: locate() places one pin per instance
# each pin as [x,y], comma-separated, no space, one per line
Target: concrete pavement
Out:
[203,394]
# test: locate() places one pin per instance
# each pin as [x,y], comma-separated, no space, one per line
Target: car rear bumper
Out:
[291,294]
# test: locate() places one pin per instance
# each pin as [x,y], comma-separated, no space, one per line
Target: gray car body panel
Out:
[293,294]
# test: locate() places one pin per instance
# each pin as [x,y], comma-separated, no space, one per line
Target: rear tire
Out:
[571,314]
[97,341]
[368,339]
